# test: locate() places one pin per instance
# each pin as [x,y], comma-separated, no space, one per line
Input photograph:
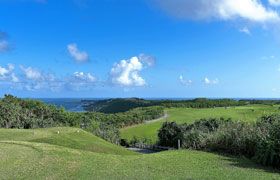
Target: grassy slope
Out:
[183,115]
[67,137]
[26,160]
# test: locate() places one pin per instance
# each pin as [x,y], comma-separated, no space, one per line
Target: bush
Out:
[193,139]
[191,135]
[169,134]
[123,142]
[27,114]
[235,138]
[259,141]
[268,146]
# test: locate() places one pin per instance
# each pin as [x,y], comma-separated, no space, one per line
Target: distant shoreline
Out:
[75,104]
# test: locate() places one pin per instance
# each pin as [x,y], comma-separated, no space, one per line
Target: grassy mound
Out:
[63,136]
[189,115]
[29,160]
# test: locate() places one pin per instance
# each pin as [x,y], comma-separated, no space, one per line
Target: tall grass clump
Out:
[268,146]
[236,138]
[259,141]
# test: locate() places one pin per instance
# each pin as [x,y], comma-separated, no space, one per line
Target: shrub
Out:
[191,135]
[259,141]
[169,134]
[123,142]
[108,132]
[268,147]
[193,139]
[27,114]
[235,138]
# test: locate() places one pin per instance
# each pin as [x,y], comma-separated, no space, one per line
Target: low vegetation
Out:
[30,114]
[115,105]
[126,104]
[259,141]
[148,132]
[24,155]
[63,144]
[34,145]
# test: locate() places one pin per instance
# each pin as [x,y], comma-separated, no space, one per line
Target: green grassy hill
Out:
[75,154]
[189,115]
[26,160]
[63,136]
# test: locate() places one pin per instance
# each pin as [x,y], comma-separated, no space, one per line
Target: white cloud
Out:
[208,81]
[245,30]
[248,10]
[14,78]
[147,59]
[6,71]
[32,79]
[126,73]
[85,77]
[81,81]
[7,74]
[79,56]
[184,82]
[32,74]
[274,2]
[47,84]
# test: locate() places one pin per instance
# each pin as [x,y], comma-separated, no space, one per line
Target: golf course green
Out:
[149,131]
[71,153]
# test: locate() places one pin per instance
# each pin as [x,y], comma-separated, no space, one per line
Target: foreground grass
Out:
[30,160]
[64,136]
[189,115]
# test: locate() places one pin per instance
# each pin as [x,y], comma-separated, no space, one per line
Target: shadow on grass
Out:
[243,162]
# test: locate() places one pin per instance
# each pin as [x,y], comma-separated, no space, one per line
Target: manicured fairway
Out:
[26,160]
[71,153]
[188,115]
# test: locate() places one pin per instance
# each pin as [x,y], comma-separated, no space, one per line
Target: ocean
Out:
[76,104]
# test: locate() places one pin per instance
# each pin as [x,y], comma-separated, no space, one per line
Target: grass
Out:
[30,160]
[67,137]
[188,115]
[75,154]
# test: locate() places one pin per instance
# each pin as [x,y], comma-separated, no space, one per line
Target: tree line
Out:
[28,114]
[125,104]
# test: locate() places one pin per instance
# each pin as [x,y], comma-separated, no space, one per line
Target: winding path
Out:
[142,151]
[165,116]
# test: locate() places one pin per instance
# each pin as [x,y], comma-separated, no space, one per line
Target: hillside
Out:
[115,105]
[29,160]
[63,136]
[71,153]
[124,104]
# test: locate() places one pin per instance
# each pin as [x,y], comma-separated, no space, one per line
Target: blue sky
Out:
[140,48]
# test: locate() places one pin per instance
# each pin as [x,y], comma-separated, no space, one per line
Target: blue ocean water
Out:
[70,104]
[76,104]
